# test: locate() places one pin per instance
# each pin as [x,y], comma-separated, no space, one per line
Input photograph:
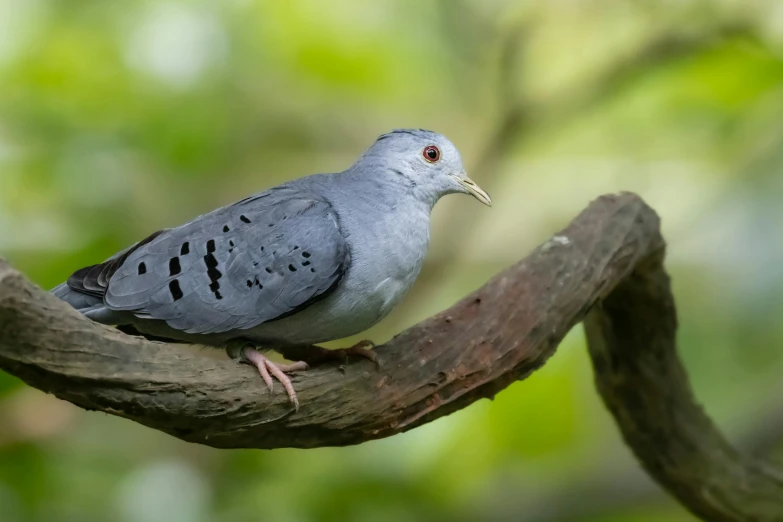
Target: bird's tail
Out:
[82,302]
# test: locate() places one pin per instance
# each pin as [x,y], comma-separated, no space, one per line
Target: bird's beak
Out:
[474,190]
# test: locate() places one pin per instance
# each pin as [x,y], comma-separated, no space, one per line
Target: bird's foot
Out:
[269,369]
[313,354]
[360,349]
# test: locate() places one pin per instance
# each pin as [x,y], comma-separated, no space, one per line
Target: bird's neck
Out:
[389,189]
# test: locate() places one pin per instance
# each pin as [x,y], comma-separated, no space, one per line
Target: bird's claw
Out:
[269,369]
[362,349]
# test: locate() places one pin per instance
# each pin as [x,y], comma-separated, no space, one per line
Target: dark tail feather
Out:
[82,302]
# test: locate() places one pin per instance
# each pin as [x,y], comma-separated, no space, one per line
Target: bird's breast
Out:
[386,265]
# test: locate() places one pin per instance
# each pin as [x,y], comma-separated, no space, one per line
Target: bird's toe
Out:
[269,369]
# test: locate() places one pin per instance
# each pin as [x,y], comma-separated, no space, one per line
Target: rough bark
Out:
[605,268]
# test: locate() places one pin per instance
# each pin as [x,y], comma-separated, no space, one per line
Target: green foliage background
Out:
[119,118]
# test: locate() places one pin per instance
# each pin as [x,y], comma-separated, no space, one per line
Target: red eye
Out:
[431,153]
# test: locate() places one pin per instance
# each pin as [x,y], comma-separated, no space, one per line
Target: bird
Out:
[315,259]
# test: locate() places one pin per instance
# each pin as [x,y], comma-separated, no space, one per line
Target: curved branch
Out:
[605,267]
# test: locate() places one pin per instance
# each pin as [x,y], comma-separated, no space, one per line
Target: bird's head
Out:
[425,161]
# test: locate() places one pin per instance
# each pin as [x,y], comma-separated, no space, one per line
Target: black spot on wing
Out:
[255,282]
[176,291]
[212,264]
[174,267]
[214,274]
[142,268]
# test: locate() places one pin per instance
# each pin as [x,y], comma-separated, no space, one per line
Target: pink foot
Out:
[267,369]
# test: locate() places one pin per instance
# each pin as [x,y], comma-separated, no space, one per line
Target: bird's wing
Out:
[260,259]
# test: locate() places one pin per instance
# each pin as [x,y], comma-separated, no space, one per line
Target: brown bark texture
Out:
[605,269]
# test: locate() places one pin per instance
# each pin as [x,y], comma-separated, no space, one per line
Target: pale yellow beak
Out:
[474,190]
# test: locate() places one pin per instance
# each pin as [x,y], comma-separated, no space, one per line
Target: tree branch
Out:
[605,267]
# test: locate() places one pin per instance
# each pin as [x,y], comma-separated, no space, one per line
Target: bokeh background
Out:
[119,118]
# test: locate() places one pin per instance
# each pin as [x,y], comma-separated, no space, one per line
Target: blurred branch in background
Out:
[605,268]
[601,491]
[518,113]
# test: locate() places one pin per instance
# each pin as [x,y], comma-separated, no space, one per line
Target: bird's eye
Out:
[431,153]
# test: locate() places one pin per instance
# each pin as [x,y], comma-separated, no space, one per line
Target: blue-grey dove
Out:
[312,260]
